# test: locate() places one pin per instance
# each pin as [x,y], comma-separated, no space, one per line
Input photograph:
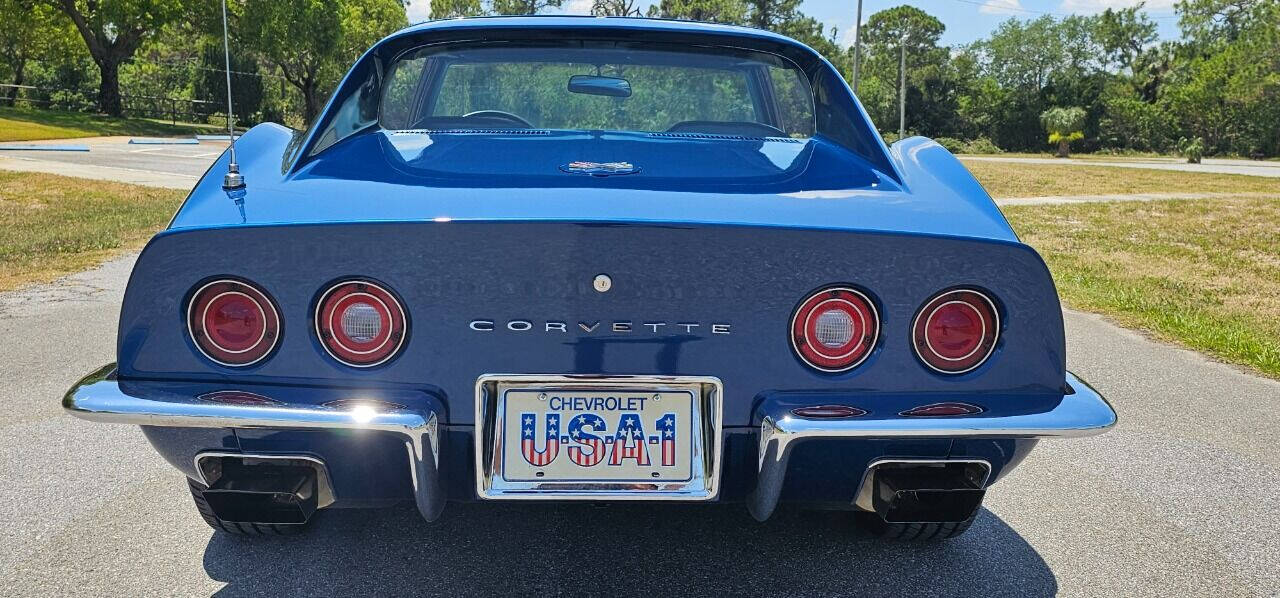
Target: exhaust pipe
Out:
[264,490]
[924,491]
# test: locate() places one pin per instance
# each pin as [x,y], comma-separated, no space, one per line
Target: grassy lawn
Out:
[1204,273]
[1133,157]
[25,124]
[1130,157]
[57,225]
[1010,179]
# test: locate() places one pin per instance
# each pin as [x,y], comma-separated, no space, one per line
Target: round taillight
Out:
[233,323]
[835,329]
[956,331]
[360,323]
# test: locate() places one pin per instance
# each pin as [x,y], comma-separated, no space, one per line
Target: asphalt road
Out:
[1182,498]
[115,159]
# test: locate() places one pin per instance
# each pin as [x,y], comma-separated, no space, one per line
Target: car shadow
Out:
[580,549]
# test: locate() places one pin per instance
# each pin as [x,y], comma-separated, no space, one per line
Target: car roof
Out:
[590,22]
[527,27]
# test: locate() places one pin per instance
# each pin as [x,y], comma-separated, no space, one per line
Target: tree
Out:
[364,22]
[616,8]
[211,79]
[1064,125]
[1125,35]
[1225,86]
[772,14]
[448,9]
[28,32]
[312,41]
[113,30]
[523,7]
[1023,54]
[885,35]
[713,11]
[1211,22]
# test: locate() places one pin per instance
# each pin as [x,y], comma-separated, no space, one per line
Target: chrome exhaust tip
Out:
[263,494]
[264,489]
[919,491]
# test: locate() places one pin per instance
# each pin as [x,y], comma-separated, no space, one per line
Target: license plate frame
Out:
[494,483]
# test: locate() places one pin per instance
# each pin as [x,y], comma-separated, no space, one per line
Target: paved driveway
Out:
[115,159]
[1182,498]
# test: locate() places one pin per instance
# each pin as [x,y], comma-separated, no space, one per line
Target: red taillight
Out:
[238,397]
[372,404]
[360,323]
[942,410]
[828,412]
[835,329]
[233,323]
[956,331]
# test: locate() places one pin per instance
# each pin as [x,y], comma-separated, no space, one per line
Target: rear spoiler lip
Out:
[654,222]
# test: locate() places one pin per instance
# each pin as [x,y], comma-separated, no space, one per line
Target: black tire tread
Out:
[915,532]
[233,527]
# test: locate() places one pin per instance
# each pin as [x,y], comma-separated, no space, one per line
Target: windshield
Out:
[607,86]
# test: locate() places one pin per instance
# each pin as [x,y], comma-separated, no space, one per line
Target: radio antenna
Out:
[233,179]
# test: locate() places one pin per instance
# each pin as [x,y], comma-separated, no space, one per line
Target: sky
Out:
[966,20]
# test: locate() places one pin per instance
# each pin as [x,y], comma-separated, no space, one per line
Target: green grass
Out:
[1012,179]
[55,225]
[1129,157]
[1203,273]
[1105,157]
[25,124]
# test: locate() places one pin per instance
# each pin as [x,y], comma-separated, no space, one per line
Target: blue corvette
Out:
[572,259]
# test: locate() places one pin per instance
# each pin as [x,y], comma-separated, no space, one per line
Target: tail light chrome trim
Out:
[988,338]
[198,306]
[349,352]
[859,306]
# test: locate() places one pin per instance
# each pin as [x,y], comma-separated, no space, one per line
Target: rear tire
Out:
[912,532]
[233,527]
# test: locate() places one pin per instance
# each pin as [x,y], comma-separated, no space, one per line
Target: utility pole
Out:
[857,47]
[902,88]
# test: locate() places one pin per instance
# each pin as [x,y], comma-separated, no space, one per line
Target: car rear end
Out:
[747,304]
[714,312]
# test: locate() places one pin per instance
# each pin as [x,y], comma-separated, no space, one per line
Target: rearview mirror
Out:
[595,85]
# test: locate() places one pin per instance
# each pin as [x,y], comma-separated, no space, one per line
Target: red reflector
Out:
[233,323]
[835,329]
[374,404]
[237,397]
[360,323]
[828,411]
[942,410]
[956,331]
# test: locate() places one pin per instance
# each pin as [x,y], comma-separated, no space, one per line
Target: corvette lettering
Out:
[614,326]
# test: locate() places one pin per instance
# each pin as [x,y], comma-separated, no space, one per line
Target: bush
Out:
[952,144]
[891,137]
[1192,149]
[1130,123]
[982,145]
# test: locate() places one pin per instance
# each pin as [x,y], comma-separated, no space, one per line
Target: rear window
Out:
[597,87]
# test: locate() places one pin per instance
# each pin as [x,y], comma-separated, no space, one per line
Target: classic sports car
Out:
[592,259]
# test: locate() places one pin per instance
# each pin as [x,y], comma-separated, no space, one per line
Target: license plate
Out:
[577,434]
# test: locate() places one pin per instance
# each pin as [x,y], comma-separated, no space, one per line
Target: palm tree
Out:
[1064,125]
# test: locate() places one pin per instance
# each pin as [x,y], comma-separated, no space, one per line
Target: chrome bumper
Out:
[98,397]
[1082,413]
